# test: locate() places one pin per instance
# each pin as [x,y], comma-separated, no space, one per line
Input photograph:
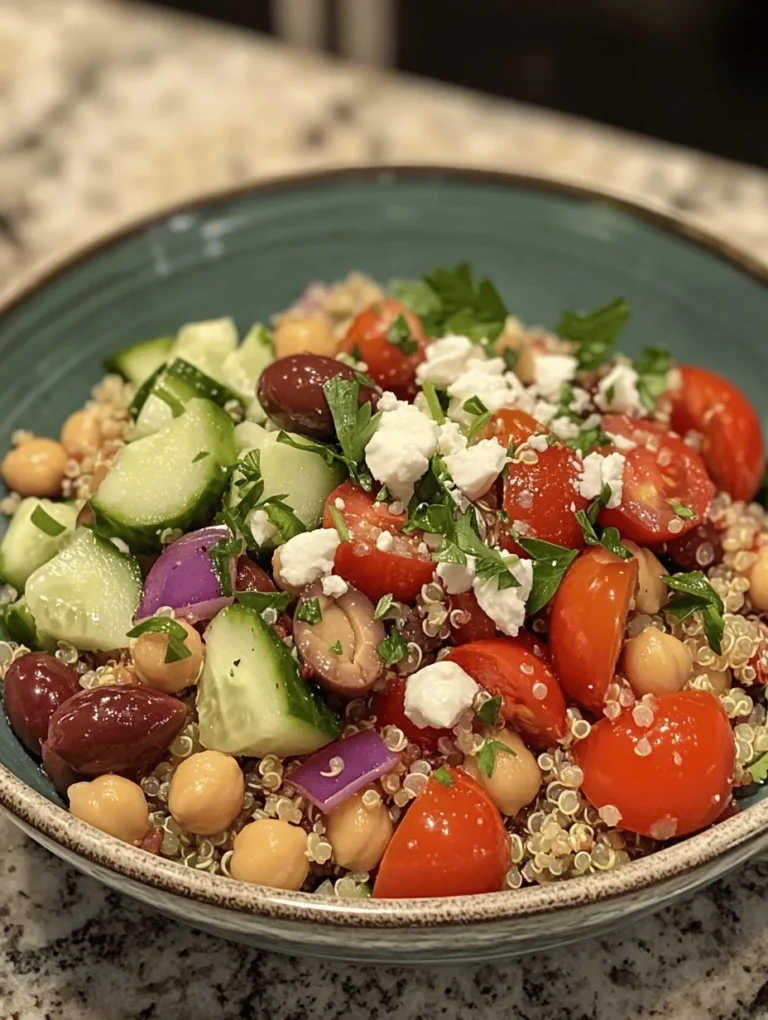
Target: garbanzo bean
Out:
[36,468]
[81,433]
[358,834]
[721,680]
[206,792]
[655,662]
[270,852]
[112,804]
[152,669]
[758,581]
[652,593]
[516,777]
[304,336]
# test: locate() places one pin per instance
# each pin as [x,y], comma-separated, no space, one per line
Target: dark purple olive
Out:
[115,728]
[61,775]
[35,686]
[291,392]
[697,549]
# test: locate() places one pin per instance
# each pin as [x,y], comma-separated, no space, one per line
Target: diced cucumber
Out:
[86,595]
[251,699]
[242,368]
[25,546]
[140,361]
[20,626]
[171,390]
[172,479]
[249,436]
[206,345]
[140,397]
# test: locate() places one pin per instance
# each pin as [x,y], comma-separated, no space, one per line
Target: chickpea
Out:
[651,592]
[206,792]
[758,581]
[655,662]
[304,336]
[721,680]
[152,669]
[516,777]
[35,468]
[113,804]
[270,852]
[358,834]
[81,433]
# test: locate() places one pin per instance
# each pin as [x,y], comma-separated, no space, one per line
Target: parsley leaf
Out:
[595,332]
[200,456]
[609,538]
[652,368]
[550,562]
[443,776]
[309,611]
[686,512]
[489,562]
[417,295]
[433,402]
[486,756]
[339,523]
[177,648]
[393,648]
[328,454]
[588,438]
[488,713]
[283,517]
[759,769]
[399,335]
[43,521]
[354,425]
[382,607]
[336,648]
[696,595]
[465,306]
[221,556]
[261,600]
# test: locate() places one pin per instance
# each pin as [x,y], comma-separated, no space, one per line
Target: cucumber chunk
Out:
[251,699]
[138,362]
[19,626]
[86,595]
[170,392]
[242,368]
[25,546]
[249,436]
[172,479]
[206,345]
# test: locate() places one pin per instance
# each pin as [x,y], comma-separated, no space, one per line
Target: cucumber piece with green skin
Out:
[170,392]
[249,436]
[174,478]
[242,368]
[140,397]
[206,345]
[86,595]
[25,546]
[251,698]
[139,361]
[19,625]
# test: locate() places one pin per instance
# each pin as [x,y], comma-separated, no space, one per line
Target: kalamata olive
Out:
[35,685]
[342,646]
[291,392]
[413,634]
[250,576]
[697,549]
[115,728]
[60,774]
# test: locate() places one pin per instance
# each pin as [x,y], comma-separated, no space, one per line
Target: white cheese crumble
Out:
[564,428]
[309,556]
[544,412]
[384,541]
[506,607]
[262,528]
[447,359]
[597,471]
[621,442]
[399,451]
[456,577]
[438,695]
[552,371]
[339,503]
[450,439]
[617,391]
[475,469]
[538,443]
[334,587]
[488,381]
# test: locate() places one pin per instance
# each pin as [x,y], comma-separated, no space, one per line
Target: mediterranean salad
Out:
[394,597]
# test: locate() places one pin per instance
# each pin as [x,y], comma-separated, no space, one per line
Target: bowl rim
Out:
[53,823]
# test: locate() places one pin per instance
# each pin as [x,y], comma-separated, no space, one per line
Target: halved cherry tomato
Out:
[387,363]
[732,445]
[452,842]
[389,708]
[401,571]
[544,496]
[659,471]
[667,779]
[478,624]
[518,669]
[586,628]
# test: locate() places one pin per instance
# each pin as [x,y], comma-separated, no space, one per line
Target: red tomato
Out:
[659,471]
[586,628]
[387,364]
[544,495]
[518,669]
[732,445]
[682,784]
[478,625]
[389,708]
[451,842]
[401,571]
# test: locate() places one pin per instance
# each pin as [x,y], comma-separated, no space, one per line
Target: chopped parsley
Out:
[355,425]
[452,301]
[759,769]
[339,523]
[489,562]
[417,295]
[433,402]
[486,756]
[383,607]
[336,648]
[177,636]
[609,538]
[482,415]
[43,521]
[399,335]
[309,611]
[595,332]
[696,595]
[511,358]
[200,456]
[328,454]
[221,555]
[442,775]
[488,713]
[550,563]
[393,648]
[652,368]
[686,512]
[261,600]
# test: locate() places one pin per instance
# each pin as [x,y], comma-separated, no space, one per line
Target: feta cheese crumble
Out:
[618,391]
[506,607]
[552,371]
[538,443]
[476,468]
[597,471]
[308,556]
[334,587]
[564,428]
[447,359]
[384,541]
[399,451]
[261,527]
[450,439]
[488,381]
[456,577]
[437,695]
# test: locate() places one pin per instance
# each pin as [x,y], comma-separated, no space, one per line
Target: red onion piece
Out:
[185,579]
[365,757]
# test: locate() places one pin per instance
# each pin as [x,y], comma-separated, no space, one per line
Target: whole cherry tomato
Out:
[391,358]
[544,496]
[667,779]
[477,625]
[518,669]
[732,445]
[400,570]
[451,842]
[661,474]
[389,708]
[586,629]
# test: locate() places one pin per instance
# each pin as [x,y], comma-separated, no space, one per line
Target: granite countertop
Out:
[109,111]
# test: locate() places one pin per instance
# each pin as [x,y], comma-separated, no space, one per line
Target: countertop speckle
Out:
[108,111]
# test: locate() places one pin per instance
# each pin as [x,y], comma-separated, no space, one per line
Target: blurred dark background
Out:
[688,71]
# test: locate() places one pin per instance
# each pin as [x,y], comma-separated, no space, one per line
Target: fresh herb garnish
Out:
[511,357]
[488,713]
[482,415]
[474,406]
[442,775]
[489,562]
[550,563]
[336,648]
[686,512]
[486,756]
[283,517]
[328,454]
[382,494]
[383,607]
[354,425]
[696,595]
[309,611]
[45,523]
[251,485]
[433,402]
[399,335]
[595,332]
[432,491]
[364,380]
[393,648]
[588,439]
[200,456]
[417,295]
[177,649]
[652,368]
[759,769]
[609,538]
[261,600]
[339,523]
[221,555]
[466,306]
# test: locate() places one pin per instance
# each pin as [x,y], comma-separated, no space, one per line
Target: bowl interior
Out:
[248,255]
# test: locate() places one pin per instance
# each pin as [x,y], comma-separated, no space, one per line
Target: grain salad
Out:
[394,596]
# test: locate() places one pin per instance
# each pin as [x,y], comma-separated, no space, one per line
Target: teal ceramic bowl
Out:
[548,247]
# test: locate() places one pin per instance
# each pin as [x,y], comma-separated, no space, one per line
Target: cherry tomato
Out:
[451,842]
[367,338]
[389,708]
[518,669]
[544,496]
[478,624]
[400,571]
[667,779]
[659,471]
[732,444]
[586,629]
